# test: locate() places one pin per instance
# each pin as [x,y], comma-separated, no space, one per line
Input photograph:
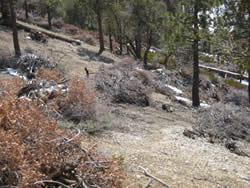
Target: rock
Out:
[38,36]
[167,108]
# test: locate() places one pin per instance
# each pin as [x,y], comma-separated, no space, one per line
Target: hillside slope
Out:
[147,137]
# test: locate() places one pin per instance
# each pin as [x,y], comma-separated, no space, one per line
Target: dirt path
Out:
[153,139]
[147,137]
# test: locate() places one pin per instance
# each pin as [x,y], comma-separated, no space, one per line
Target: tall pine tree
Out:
[196,18]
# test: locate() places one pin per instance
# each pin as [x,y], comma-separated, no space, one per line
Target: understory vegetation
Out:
[34,151]
[184,58]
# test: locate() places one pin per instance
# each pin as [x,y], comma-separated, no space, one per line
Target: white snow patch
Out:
[139,69]
[178,91]
[14,72]
[158,70]
[245,82]
[152,50]
[28,38]
[178,98]
[203,104]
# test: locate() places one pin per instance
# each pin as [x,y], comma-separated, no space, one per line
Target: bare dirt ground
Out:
[147,137]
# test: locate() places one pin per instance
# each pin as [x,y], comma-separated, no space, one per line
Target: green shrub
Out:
[151,55]
[233,83]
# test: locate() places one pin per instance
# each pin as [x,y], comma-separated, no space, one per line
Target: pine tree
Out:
[98,7]
[14,28]
[196,19]
[51,6]
[6,19]
[237,19]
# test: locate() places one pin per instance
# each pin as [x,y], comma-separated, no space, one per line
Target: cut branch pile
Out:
[123,83]
[35,153]
[32,63]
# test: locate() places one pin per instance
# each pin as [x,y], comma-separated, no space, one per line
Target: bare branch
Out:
[148,184]
[51,181]
[153,177]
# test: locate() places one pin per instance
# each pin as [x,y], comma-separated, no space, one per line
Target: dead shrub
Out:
[50,74]
[70,29]
[32,63]
[79,104]
[224,123]
[86,37]
[123,83]
[11,87]
[237,97]
[32,149]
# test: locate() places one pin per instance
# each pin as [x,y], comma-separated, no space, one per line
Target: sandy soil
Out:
[147,137]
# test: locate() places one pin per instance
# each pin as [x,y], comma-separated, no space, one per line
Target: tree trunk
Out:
[138,46]
[5,13]
[195,89]
[121,45]
[248,59]
[49,17]
[110,42]
[101,40]
[14,28]
[26,10]
[249,85]
[165,63]
[149,44]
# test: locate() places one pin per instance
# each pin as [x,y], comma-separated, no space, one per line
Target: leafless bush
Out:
[225,121]
[79,104]
[32,63]
[237,97]
[123,83]
[225,124]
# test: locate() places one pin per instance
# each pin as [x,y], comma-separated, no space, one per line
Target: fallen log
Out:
[224,73]
[51,34]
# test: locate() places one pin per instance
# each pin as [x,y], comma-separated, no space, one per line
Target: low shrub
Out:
[50,74]
[79,103]
[237,97]
[235,84]
[123,83]
[35,153]
[224,124]
[211,76]
[151,55]
[207,59]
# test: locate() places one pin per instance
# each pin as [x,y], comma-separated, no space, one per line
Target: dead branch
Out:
[153,177]
[67,140]
[51,181]
[74,137]
[148,184]
[84,184]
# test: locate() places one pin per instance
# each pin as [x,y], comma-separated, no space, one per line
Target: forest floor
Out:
[144,136]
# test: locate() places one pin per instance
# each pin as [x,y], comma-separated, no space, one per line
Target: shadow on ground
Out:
[93,55]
